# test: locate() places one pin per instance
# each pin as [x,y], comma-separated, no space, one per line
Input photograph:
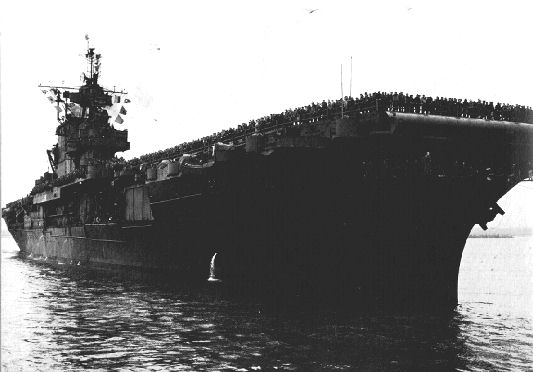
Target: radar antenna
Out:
[88,100]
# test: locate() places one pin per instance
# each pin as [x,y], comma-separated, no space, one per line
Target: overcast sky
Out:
[193,68]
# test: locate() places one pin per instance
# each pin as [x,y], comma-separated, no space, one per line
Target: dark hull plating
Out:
[363,220]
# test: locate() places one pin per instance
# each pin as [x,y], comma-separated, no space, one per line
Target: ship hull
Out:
[376,218]
[331,232]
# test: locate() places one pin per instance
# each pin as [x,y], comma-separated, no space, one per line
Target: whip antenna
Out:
[350,76]
[342,97]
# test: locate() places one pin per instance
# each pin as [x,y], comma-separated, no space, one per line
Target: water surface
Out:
[55,319]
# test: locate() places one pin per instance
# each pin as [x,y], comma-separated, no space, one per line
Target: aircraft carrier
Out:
[367,200]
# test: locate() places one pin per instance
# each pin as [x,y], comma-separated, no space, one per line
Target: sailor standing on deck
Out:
[427,164]
[395,102]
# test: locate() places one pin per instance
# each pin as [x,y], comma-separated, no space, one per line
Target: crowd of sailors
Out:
[350,106]
[453,107]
